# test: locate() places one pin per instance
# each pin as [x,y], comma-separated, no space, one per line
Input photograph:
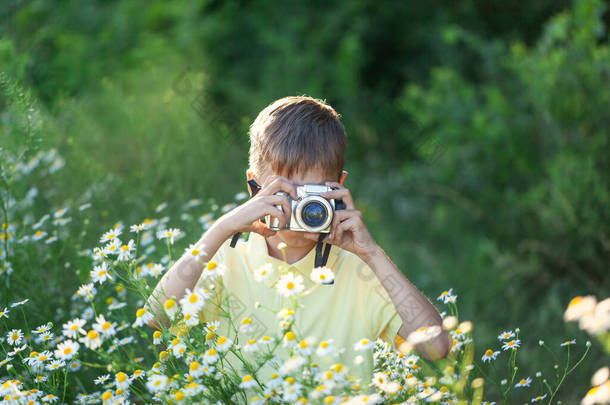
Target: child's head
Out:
[296,134]
[300,138]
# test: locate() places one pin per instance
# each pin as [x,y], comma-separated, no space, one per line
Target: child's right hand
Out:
[245,217]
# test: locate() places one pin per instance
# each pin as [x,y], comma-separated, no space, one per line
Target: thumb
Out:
[261,229]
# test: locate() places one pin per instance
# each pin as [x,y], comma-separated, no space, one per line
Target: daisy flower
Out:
[245,325]
[506,335]
[55,365]
[289,284]
[66,349]
[60,212]
[196,369]
[379,379]
[489,355]
[101,379]
[578,307]
[325,348]
[122,381]
[194,251]
[322,275]
[212,326]
[104,327]
[446,296]
[73,327]
[511,344]
[242,195]
[193,301]
[160,207]
[170,308]
[211,270]
[137,228]
[250,346]
[125,251]
[142,317]
[100,273]
[91,340]
[4,313]
[223,343]
[569,342]
[194,202]
[364,344]
[112,248]
[178,349]
[110,235]
[85,290]
[171,234]
[210,356]
[524,382]
[157,383]
[227,207]
[41,329]
[38,235]
[247,382]
[539,398]
[14,337]
[18,349]
[263,272]
[74,365]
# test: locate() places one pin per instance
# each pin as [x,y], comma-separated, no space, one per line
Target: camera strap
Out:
[321,259]
[254,188]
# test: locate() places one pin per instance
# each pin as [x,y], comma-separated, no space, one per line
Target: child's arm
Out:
[414,308]
[187,270]
[349,232]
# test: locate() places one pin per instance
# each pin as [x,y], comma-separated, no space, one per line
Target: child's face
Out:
[311,176]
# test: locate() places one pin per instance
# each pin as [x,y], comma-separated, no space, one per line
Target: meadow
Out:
[488,179]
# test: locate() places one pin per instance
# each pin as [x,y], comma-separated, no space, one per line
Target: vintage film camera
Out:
[310,212]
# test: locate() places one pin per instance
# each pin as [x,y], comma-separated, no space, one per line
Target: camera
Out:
[310,212]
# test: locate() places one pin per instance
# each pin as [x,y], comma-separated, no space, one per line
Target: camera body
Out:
[310,212]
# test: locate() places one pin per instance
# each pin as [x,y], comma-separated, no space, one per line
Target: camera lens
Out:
[314,214]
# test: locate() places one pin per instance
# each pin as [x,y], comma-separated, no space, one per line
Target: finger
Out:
[340,216]
[261,229]
[340,192]
[275,212]
[282,200]
[280,184]
[347,225]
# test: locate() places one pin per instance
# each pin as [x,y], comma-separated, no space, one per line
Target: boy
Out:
[296,141]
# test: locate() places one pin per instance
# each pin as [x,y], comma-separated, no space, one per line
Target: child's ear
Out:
[343,175]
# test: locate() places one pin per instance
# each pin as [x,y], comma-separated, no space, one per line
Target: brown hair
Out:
[295,134]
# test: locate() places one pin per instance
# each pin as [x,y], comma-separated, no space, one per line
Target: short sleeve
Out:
[384,318]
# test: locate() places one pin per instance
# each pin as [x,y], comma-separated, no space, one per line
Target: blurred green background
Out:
[478,132]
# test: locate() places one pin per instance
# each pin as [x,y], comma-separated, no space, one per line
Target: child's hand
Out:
[245,217]
[348,230]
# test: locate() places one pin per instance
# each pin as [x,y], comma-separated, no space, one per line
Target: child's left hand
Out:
[348,230]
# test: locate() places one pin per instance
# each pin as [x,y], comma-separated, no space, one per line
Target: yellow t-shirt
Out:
[356,306]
